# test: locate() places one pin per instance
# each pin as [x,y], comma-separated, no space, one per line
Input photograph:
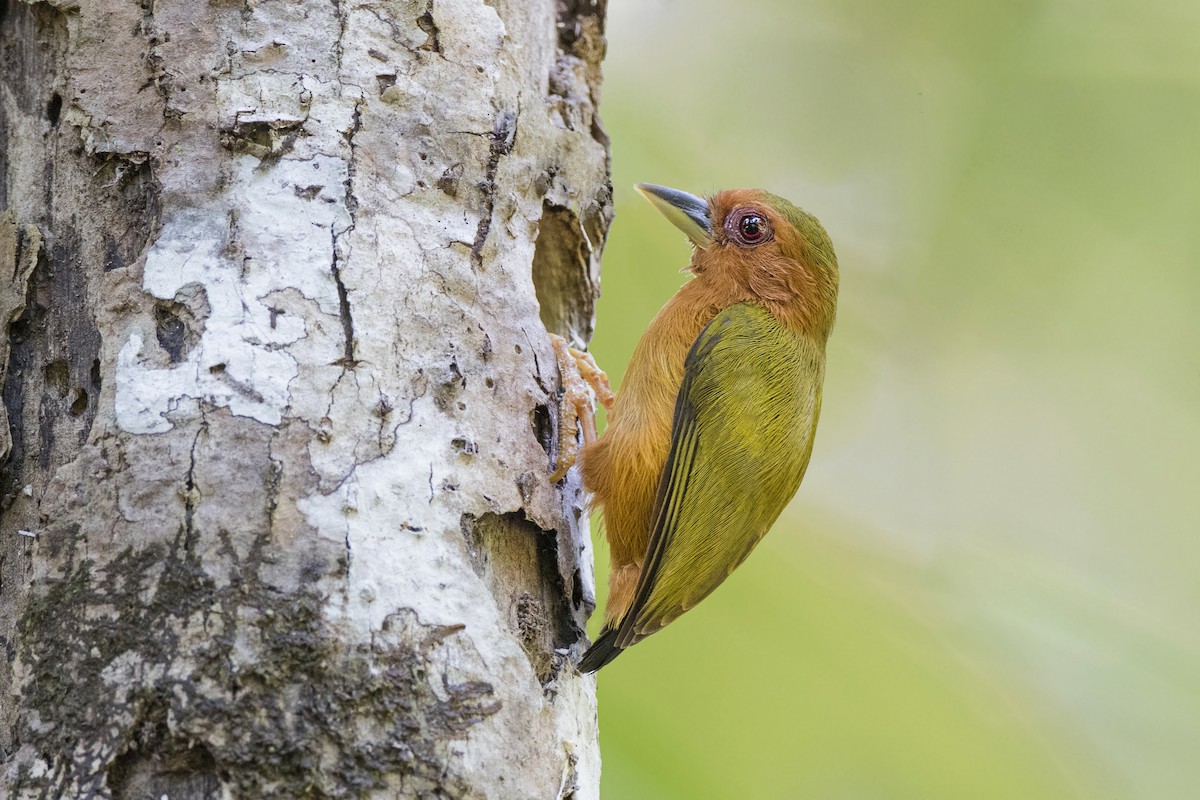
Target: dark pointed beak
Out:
[685,211]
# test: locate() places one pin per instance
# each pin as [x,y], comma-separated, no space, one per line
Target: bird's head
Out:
[753,245]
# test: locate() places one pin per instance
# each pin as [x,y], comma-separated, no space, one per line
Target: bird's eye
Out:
[748,227]
[752,228]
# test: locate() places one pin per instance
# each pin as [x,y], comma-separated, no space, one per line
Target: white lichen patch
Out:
[278,235]
[236,364]
[273,228]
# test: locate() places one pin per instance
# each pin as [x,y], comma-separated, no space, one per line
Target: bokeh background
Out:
[989,583]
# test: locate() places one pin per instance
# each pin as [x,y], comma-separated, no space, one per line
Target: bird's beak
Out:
[685,211]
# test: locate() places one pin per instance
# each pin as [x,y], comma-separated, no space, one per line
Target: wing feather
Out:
[741,439]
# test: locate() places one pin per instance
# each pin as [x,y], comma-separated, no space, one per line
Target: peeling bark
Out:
[275,285]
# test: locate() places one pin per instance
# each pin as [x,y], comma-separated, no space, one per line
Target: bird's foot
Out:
[594,376]
[580,378]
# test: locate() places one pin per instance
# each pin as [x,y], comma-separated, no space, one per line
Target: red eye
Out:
[747,227]
[753,228]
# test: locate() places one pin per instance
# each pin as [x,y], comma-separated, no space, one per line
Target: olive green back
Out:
[741,440]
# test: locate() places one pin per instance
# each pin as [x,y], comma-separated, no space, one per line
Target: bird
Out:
[711,430]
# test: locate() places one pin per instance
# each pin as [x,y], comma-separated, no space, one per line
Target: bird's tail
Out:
[602,651]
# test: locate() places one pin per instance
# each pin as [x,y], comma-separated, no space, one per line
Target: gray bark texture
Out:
[275,284]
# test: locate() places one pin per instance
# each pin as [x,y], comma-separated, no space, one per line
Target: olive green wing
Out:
[741,439]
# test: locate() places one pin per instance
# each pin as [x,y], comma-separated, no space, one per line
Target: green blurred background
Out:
[989,584]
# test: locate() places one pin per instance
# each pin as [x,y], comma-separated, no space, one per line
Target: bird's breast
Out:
[623,467]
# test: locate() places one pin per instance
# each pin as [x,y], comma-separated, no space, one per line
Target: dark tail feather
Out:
[602,651]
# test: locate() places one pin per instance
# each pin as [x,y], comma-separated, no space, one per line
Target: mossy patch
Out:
[132,666]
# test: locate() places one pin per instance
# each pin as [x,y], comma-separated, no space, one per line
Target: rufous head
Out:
[756,246]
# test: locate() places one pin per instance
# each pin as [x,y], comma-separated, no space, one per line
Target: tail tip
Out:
[602,651]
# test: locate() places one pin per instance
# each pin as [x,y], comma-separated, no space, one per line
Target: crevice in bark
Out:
[384,81]
[54,345]
[170,331]
[159,765]
[344,313]
[54,109]
[425,22]
[509,552]
[543,429]
[504,133]
[266,140]
[351,203]
[138,190]
[20,252]
[179,323]
[29,40]
[562,274]
[191,495]
[574,80]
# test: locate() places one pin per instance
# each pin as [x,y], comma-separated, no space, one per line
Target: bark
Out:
[275,284]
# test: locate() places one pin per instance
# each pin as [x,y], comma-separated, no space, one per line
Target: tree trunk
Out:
[280,405]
